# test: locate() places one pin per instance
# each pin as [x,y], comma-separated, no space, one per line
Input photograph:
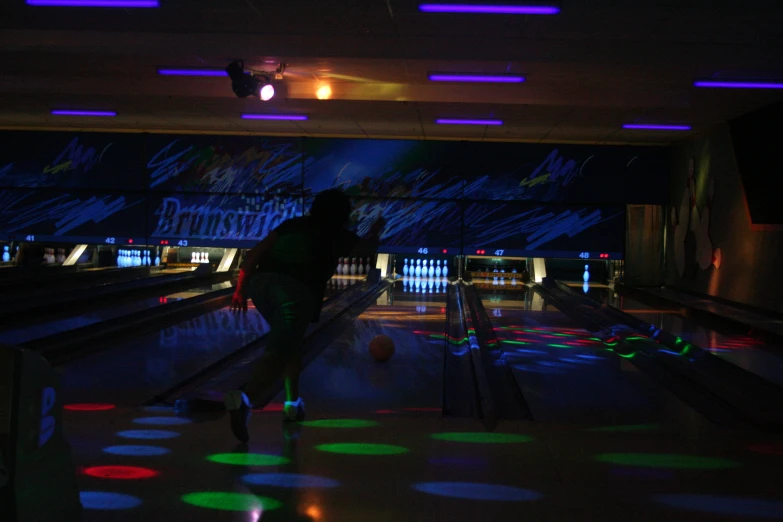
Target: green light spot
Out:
[686,349]
[627,428]
[678,341]
[663,460]
[231,501]
[561,334]
[340,423]
[610,344]
[627,355]
[515,342]
[635,338]
[559,346]
[248,459]
[438,336]
[362,448]
[482,437]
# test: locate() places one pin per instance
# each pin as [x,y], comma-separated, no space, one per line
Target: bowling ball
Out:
[381,348]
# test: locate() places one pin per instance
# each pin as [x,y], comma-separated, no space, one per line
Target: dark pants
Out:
[287,305]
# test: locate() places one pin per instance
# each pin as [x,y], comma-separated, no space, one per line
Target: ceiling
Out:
[596,65]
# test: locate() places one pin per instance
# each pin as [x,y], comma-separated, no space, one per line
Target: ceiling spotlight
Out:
[324,92]
[243,83]
[266,92]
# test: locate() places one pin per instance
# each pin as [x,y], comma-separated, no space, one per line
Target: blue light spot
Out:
[737,506]
[148,434]
[593,357]
[137,451]
[108,501]
[162,421]
[289,480]
[574,361]
[477,491]
[534,352]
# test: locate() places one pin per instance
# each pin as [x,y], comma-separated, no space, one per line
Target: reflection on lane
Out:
[132,372]
[345,379]
[103,313]
[746,352]
[567,375]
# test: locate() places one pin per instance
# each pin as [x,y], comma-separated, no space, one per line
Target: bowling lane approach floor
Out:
[376,447]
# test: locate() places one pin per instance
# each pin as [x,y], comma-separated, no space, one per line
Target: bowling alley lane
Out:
[568,376]
[346,380]
[48,326]
[749,353]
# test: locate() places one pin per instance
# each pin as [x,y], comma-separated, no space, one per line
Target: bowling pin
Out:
[405,268]
[157,257]
[437,269]
[360,268]
[431,283]
[137,258]
[445,269]
[193,257]
[418,268]
[367,266]
[6,254]
[586,275]
[340,266]
[585,287]
[353,266]
[431,271]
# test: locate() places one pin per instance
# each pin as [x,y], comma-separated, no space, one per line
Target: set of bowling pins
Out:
[354,268]
[51,258]
[419,268]
[497,279]
[199,257]
[420,285]
[136,258]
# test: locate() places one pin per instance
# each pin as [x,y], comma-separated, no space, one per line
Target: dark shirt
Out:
[308,252]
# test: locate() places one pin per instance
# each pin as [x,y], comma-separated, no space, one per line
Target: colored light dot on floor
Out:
[162,421]
[361,448]
[137,451]
[226,501]
[340,423]
[248,459]
[482,437]
[89,407]
[663,460]
[289,480]
[744,507]
[148,434]
[107,501]
[769,448]
[120,472]
[477,491]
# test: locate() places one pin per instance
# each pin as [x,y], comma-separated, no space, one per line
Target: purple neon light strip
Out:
[488,78]
[645,126]
[192,72]
[447,121]
[297,117]
[94,3]
[83,113]
[490,9]
[738,84]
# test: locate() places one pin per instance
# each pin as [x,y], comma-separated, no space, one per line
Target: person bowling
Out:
[286,276]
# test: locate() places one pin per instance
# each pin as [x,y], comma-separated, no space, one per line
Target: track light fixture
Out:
[246,83]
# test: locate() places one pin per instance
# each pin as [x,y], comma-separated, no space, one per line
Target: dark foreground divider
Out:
[37,473]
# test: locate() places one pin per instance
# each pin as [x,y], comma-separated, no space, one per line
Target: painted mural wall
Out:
[712,245]
[232,190]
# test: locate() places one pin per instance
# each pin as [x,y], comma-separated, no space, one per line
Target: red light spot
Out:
[384,412]
[130,241]
[88,407]
[120,472]
[443,310]
[770,448]
[445,251]
[423,409]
